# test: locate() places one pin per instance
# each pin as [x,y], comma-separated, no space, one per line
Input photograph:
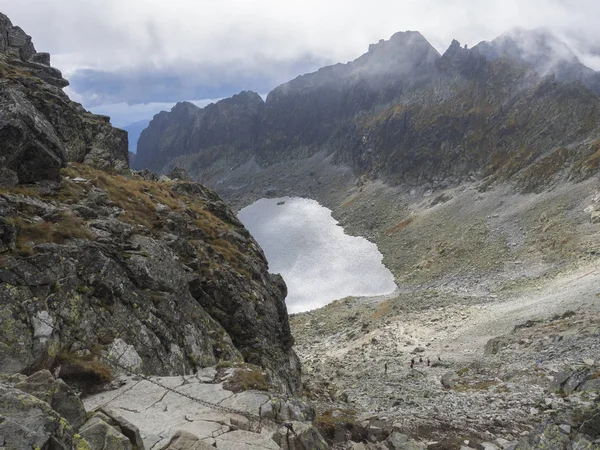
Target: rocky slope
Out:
[40,127]
[517,369]
[159,274]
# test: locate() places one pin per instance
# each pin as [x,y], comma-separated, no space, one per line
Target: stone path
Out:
[159,413]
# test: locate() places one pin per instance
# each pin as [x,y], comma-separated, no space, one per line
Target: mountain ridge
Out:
[337,107]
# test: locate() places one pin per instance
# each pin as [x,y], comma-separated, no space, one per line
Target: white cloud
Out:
[111,34]
[147,51]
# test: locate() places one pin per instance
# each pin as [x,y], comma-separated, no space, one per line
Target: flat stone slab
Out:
[244,440]
[160,414]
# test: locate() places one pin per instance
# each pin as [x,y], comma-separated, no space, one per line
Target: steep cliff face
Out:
[407,115]
[40,127]
[102,271]
[310,108]
[496,120]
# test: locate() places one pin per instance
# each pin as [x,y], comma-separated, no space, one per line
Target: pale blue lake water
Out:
[318,261]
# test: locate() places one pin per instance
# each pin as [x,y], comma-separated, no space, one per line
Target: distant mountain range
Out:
[520,107]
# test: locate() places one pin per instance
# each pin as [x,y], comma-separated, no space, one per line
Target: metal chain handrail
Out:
[257,418]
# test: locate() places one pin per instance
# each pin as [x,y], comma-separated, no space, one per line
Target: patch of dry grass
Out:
[88,370]
[64,228]
[383,309]
[137,198]
[247,377]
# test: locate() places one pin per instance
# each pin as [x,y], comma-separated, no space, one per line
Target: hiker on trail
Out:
[428,362]
[385,367]
[412,363]
[421,359]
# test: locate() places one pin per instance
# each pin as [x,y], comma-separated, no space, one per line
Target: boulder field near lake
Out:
[475,172]
[137,312]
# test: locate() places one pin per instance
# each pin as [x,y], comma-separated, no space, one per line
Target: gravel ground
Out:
[345,346]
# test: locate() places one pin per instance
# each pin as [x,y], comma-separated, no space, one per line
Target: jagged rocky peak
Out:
[244,97]
[40,127]
[15,42]
[407,49]
[182,108]
[16,45]
[534,46]
[462,60]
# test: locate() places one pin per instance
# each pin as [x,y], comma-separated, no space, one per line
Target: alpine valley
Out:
[136,311]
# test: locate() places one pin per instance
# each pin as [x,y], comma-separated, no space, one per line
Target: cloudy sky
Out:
[131,58]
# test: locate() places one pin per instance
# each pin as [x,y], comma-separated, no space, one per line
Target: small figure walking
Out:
[421,359]
[412,363]
[385,368]
[428,362]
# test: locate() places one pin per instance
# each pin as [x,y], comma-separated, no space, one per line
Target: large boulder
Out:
[285,410]
[8,178]
[399,441]
[57,394]
[27,422]
[30,146]
[101,436]
[449,379]
[495,345]
[570,380]
[300,436]
[123,425]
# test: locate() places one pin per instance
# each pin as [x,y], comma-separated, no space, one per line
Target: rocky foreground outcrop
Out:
[41,129]
[104,273]
[158,276]
[200,411]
